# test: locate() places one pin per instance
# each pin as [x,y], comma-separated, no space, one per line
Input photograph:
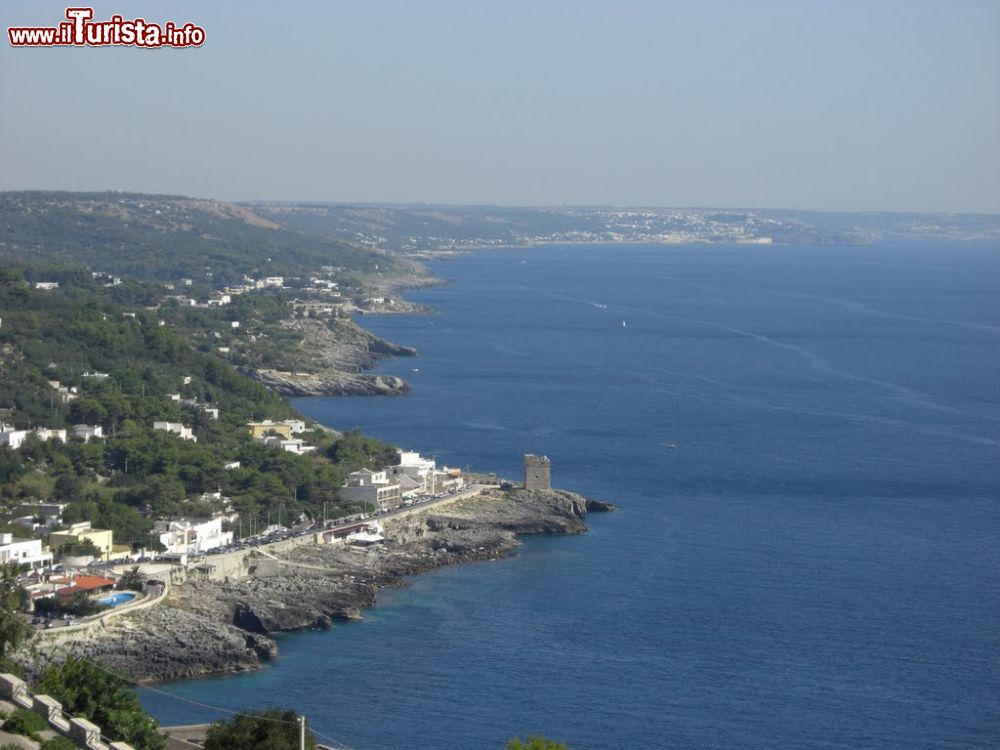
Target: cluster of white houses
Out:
[413,476]
[35,554]
[192,536]
[14,439]
[183,536]
[24,552]
[179,429]
[281,435]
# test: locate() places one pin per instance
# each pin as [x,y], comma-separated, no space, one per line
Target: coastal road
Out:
[423,506]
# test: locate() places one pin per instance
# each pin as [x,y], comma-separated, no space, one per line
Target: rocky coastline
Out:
[331,383]
[207,627]
[339,354]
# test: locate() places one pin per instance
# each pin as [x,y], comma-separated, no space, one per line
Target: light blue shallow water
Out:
[814,565]
[116,599]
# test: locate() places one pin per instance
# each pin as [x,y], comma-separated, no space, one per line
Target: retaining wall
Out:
[81,731]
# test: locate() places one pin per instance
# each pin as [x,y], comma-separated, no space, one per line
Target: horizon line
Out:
[504,206]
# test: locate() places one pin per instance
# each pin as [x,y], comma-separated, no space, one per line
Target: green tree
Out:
[131,580]
[271,729]
[86,548]
[13,629]
[58,743]
[88,411]
[535,742]
[26,723]
[85,689]
[354,451]
[69,488]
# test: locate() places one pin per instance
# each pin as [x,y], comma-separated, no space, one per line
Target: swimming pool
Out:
[117,599]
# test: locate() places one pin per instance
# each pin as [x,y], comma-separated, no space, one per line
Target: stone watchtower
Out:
[537,472]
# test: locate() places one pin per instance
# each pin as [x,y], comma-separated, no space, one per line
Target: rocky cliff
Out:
[336,354]
[207,627]
[331,383]
[156,645]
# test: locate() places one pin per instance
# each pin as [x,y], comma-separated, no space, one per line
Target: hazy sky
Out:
[834,105]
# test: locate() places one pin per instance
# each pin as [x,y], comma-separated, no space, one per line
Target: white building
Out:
[424,472]
[410,487]
[12,438]
[50,514]
[46,286]
[363,534]
[193,536]
[370,487]
[15,438]
[417,468]
[184,433]
[291,445]
[87,431]
[286,428]
[44,433]
[448,480]
[63,394]
[24,551]
[42,509]
[297,446]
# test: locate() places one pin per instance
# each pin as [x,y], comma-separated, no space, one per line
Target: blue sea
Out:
[804,445]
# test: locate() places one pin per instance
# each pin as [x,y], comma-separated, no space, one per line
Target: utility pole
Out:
[302,733]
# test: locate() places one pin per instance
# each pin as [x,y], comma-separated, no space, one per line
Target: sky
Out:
[836,105]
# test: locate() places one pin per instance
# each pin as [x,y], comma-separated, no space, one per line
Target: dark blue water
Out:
[814,565]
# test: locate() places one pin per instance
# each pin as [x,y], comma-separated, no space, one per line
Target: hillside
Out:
[434,228]
[107,355]
[165,238]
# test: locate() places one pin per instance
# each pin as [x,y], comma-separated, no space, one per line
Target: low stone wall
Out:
[144,603]
[187,737]
[79,730]
[472,491]
[240,563]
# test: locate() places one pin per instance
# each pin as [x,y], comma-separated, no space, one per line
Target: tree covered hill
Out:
[164,238]
[120,365]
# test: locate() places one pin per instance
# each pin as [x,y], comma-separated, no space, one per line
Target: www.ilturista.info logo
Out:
[79,30]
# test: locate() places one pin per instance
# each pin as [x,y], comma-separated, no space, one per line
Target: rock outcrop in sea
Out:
[331,383]
[339,353]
